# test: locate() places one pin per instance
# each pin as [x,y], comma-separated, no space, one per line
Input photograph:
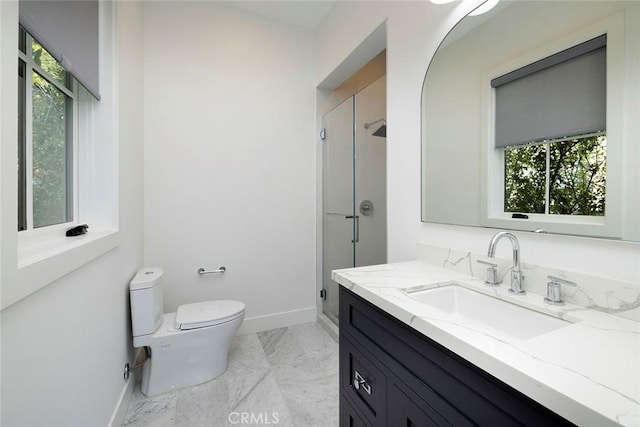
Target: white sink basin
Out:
[511,319]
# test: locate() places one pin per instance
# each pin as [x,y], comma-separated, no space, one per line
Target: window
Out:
[67,141]
[47,134]
[550,131]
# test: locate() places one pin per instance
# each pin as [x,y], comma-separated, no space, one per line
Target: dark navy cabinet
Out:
[391,375]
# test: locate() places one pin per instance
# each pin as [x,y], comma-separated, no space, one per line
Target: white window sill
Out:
[554,219]
[560,224]
[35,252]
[41,264]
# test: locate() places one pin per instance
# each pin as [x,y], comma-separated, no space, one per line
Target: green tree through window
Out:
[575,183]
[47,105]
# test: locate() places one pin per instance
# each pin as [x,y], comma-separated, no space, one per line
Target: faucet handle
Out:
[492,273]
[553,290]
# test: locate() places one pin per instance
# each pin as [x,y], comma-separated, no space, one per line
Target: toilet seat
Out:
[207,313]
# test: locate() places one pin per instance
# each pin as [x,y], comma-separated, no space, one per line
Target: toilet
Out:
[187,347]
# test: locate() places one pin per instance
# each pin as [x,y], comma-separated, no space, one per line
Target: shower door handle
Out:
[357,218]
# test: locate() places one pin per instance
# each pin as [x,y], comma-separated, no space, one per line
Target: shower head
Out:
[382,130]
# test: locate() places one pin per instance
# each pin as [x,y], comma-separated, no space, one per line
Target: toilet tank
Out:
[145,293]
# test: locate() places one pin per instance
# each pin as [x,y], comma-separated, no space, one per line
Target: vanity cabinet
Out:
[391,375]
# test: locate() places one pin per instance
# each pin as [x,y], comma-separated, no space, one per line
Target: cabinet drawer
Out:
[363,383]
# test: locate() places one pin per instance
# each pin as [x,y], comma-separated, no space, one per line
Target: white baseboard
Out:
[120,411]
[277,320]
[117,418]
[331,328]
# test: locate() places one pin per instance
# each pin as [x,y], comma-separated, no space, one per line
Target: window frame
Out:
[492,160]
[31,235]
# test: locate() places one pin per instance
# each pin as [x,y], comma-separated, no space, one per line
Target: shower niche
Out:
[354,187]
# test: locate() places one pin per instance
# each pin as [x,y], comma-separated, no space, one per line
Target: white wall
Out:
[414,31]
[64,347]
[230,159]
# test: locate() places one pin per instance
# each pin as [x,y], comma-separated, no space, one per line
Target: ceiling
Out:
[304,13]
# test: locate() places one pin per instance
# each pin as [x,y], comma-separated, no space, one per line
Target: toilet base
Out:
[153,386]
[185,358]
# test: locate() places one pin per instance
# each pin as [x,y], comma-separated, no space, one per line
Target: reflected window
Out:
[561,177]
[550,124]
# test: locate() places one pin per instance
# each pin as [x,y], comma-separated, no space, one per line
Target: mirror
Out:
[463,174]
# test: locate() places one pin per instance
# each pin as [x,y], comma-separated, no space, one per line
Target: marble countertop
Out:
[588,372]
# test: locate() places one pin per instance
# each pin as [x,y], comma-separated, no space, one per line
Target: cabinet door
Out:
[405,412]
[349,416]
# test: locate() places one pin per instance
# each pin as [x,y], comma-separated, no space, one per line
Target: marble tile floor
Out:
[283,377]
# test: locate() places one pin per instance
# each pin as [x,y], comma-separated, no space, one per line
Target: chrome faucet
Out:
[516,272]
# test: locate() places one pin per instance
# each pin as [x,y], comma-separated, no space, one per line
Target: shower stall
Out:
[354,187]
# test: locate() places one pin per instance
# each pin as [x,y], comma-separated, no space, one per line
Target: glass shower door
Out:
[338,217]
[354,188]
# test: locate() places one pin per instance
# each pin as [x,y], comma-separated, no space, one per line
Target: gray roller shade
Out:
[562,95]
[69,31]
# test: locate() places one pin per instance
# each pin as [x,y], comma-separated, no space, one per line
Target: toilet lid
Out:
[207,313]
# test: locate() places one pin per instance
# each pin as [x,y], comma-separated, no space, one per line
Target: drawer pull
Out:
[360,382]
